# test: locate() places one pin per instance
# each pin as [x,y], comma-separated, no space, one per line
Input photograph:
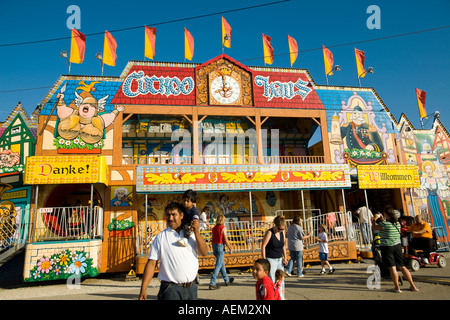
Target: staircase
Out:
[13,236]
[11,253]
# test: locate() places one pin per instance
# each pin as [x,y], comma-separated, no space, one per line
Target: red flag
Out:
[268,49]
[421,95]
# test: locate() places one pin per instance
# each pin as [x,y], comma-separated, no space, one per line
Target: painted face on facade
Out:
[87,111]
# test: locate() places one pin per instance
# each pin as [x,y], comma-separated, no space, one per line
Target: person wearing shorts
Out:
[322,238]
[391,248]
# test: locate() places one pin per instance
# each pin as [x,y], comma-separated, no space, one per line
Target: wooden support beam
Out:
[251,120]
[128,117]
[187,118]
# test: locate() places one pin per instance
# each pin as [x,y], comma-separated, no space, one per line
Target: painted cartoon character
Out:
[430,185]
[359,134]
[84,121]
[9,158]
[122,197]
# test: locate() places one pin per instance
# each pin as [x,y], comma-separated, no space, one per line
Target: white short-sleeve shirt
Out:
[177,264]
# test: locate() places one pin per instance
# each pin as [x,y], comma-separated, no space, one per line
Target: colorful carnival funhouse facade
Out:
[112,152]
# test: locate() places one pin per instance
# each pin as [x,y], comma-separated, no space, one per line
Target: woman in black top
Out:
[273,247]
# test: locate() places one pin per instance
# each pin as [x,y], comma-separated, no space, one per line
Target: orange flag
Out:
[421,95]
[268,49]
[328,60]
[109,50]
[360,63]
[293,49]
[188,45]
[150,37]
[77,46]
[226,33]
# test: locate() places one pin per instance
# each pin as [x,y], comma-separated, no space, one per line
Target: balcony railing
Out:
[246,237]
[225,159]
[67,223]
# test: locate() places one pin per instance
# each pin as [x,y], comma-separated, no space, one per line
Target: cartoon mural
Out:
[121,196]
[65,264]
[358,137]
[232,205]
[84,121]
[84,113]
[428,149]
[10,162]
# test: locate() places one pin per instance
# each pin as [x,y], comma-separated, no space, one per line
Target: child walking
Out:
[322,238]
[279,276]
[265,289]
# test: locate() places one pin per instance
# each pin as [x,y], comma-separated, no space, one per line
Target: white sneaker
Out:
[183,242]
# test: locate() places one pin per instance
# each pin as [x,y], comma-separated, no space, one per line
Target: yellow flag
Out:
[109,50]
[150,37]
[188,45]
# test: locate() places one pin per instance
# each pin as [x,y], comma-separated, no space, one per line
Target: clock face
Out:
[225,90]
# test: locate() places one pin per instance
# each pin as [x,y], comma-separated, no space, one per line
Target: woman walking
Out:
[219,241]
[391,248]
[273,247]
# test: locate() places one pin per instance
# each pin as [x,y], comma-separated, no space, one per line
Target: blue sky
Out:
[401,64]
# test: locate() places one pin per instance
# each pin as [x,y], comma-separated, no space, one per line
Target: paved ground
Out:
[349,282]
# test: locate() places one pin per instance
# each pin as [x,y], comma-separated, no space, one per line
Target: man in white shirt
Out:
[365,218]
[178,266]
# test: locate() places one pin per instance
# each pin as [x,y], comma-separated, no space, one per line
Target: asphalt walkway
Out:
[351,281]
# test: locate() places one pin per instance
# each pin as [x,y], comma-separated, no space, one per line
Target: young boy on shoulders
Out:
[190,214]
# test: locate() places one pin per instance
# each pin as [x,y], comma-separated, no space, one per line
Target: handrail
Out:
[247,237]
[67,223]
[219,159]
[14,229]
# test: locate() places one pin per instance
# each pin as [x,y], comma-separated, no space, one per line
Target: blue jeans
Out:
[219,253]
[365,228]
[275,264]
[172,291]
[295,256]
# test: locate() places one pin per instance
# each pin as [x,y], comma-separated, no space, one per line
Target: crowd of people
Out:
[179,245]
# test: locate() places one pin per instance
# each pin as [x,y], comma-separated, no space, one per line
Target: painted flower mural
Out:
[62,265]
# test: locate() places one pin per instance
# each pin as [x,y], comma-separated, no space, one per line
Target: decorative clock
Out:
[224,87]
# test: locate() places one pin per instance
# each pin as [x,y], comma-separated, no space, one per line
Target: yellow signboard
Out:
[388,176]
[66,169]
